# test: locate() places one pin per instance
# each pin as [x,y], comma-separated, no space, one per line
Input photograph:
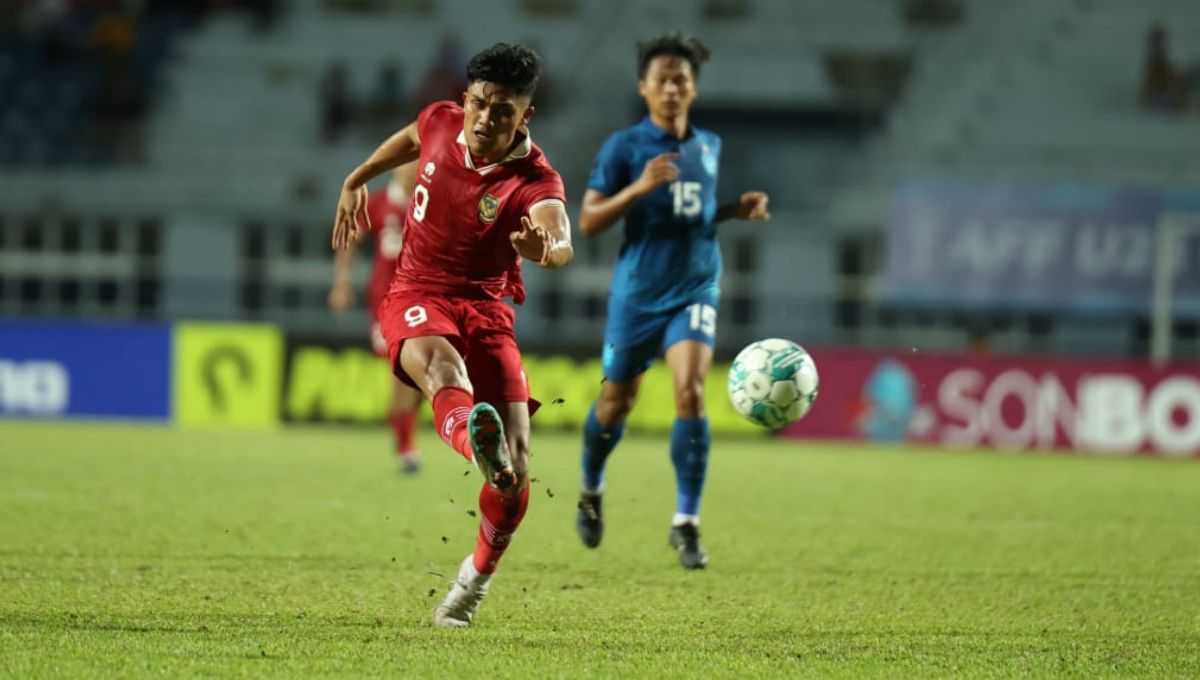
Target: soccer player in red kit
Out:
[485,198]
[386,212]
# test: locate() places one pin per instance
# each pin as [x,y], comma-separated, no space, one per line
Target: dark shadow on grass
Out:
[204,624]
[142,560]
[60,621]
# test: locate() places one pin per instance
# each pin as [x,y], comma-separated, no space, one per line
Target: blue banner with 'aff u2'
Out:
[1050,247]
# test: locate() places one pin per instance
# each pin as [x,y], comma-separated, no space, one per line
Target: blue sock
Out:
[598,442]
[690,441]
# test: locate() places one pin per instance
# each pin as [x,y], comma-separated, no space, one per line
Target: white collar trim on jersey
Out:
[523,149]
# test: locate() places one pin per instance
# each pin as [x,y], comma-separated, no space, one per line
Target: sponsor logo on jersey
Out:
[427,173]
[489,206]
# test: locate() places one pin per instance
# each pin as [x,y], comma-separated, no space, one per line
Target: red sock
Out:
[403,423]
[501,516]
[451,407]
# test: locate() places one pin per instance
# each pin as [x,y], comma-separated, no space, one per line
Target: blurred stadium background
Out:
[984,228]
[965,179]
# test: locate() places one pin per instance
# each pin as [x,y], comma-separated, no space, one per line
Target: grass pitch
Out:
[130,551]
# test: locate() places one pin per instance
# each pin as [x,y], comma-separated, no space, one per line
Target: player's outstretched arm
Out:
[601,212]
[545,236]
[402,147]
[751,205]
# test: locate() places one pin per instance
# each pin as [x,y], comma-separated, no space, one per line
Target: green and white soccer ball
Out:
[773,382]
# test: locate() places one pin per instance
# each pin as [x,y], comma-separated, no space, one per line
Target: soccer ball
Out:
[773,382]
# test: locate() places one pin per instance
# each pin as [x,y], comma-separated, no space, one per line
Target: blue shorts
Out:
[633,337]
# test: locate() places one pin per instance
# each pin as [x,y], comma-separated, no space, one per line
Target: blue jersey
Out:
[669,256]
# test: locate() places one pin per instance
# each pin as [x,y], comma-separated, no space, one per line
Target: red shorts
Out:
[481,331]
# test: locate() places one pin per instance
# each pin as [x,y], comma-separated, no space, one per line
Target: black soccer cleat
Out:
[589,522]
[686,539]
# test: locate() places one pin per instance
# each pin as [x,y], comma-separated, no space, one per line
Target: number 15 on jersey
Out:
[687,198]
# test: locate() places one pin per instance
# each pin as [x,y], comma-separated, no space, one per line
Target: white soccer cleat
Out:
[467,591]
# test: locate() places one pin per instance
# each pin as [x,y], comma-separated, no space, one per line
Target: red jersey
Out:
[456,234]
[386,209]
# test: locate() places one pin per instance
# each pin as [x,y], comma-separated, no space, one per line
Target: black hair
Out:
[675,44]
[514,66]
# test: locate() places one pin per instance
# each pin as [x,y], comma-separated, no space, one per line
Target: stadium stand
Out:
[855,95]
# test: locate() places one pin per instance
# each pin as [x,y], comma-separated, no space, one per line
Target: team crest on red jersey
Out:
[489,207]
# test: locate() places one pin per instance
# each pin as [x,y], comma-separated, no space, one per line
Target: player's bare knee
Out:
[615,403]
[689,399]
[612,411]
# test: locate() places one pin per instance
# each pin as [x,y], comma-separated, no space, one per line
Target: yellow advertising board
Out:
[568,387]
[331,381]
[227,375]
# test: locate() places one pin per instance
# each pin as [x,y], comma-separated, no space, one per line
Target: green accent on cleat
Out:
[489,447]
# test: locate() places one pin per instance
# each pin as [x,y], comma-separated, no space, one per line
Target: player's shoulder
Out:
[441,112]
[629,132]
[443,106]
[537,164]
[625,137]
[536,177]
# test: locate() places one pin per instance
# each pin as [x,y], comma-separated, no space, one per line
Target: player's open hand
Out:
[532,242]
[351,207]
[660,170]
[752,205]
[341,296]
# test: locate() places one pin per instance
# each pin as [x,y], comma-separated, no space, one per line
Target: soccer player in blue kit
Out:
[661,176]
